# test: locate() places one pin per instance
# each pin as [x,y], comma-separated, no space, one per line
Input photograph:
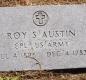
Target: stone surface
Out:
[35,38]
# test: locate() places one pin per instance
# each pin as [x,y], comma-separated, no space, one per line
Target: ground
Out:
[38,2]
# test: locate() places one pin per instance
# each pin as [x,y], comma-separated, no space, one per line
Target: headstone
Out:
[42,37]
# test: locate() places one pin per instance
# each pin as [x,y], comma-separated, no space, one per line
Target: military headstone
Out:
[42,37]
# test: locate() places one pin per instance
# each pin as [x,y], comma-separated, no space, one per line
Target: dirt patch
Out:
[9,3]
